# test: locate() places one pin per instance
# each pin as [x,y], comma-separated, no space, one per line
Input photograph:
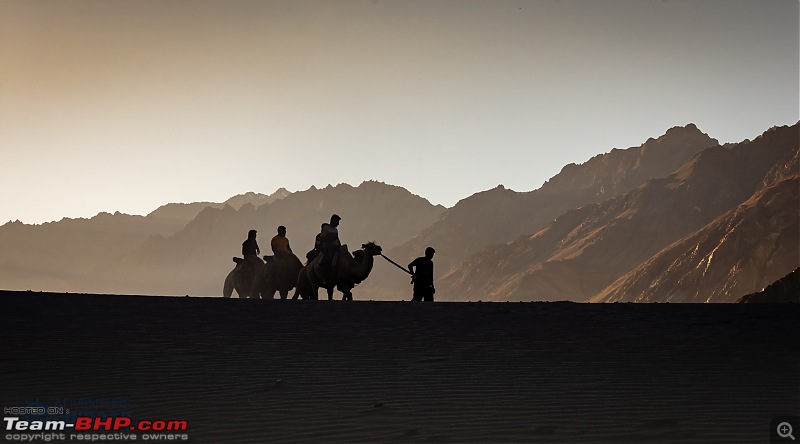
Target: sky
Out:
[117,105]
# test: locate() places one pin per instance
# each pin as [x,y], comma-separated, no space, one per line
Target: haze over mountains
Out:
[679,218]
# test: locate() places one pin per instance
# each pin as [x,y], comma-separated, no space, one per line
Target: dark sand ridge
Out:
[248,371]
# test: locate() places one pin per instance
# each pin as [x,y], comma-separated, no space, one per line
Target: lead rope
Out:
[396,264]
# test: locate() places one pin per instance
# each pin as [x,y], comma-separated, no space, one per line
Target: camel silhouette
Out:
[283,277]
[349,271]
[245,277]
[250,278]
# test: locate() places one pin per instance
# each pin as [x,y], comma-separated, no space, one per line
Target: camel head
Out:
[371,248]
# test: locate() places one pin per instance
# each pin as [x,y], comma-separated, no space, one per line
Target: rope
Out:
[396,264]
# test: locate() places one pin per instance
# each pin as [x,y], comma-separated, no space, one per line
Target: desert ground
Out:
[254,371]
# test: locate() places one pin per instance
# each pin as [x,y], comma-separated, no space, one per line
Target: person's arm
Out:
[411,267]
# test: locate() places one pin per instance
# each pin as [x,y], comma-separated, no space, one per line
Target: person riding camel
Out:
[280,248]
[330,246]
[250,249]
[279,243]
[318,238]
[250,246]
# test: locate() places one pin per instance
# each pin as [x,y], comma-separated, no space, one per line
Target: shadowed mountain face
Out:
[784,290]
[500,215]
[585,250]
[745,249]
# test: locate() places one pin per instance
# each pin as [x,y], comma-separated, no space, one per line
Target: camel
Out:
[350,270]
[244,278]
[250,279]
[283,278]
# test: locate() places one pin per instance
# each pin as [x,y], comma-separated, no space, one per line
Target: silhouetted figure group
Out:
[328,244]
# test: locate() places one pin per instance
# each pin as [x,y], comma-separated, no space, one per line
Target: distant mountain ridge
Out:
[744,249]
[53,254]
[585,250]
[257,199]
[182,213]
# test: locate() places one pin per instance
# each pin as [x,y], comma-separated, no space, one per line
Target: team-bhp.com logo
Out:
[85,428]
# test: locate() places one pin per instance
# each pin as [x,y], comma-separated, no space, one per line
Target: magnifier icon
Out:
[785,430]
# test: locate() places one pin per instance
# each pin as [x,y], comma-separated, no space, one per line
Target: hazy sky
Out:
[125,105]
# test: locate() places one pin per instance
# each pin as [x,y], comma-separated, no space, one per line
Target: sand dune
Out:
[248,371]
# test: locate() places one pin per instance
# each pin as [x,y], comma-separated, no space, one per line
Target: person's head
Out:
[282,230]
[251,234]
[429,252]
[335,220]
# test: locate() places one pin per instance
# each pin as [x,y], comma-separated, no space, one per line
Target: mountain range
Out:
[587,249]
[679,218]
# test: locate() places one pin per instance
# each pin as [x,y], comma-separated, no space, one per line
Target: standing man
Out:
[422,271]
[250,246]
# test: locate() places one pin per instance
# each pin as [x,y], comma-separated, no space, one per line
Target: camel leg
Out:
[303,288]
[284,294]
[227,289]
[347,294]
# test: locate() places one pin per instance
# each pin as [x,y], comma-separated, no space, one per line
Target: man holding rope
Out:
[422,271]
